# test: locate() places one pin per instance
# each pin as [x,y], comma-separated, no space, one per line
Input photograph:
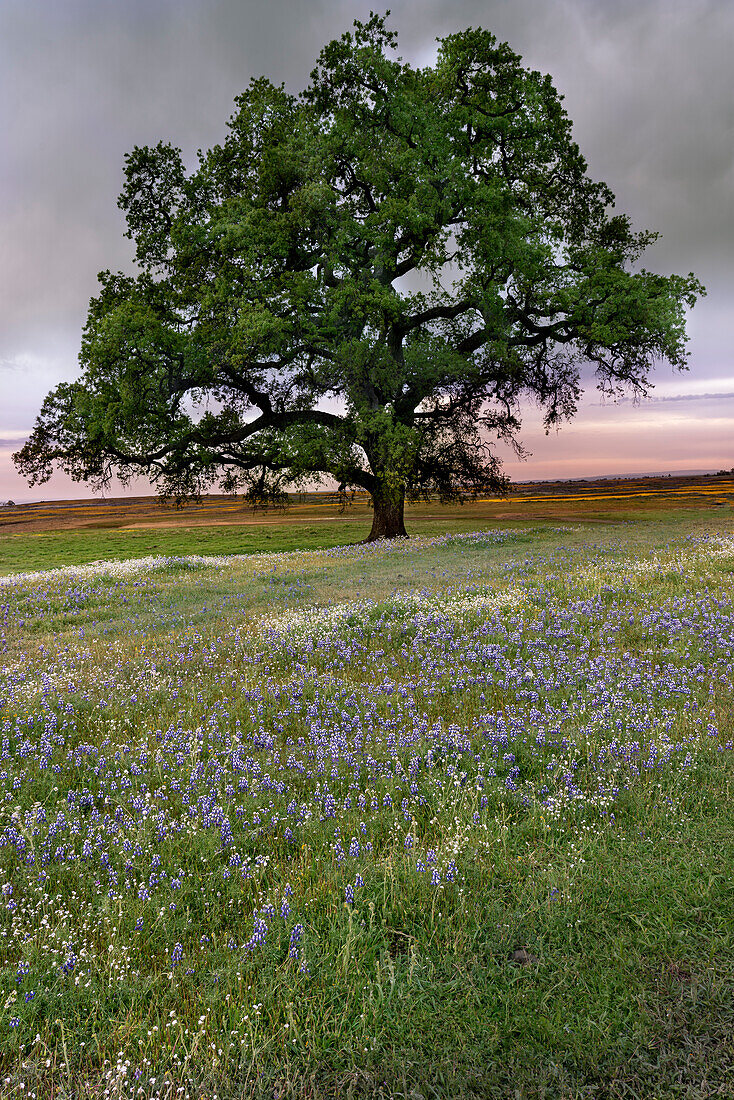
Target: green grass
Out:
[26,552]
[49,550]
[642,522]
[624,906]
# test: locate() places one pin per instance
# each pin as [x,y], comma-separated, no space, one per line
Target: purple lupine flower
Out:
[296,937]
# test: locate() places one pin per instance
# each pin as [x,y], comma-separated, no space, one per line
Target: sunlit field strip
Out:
[95,511]
[590,497]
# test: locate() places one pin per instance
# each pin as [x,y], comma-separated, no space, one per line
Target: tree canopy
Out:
[361,283]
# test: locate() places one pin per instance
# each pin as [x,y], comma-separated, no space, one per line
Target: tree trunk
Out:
[388,520]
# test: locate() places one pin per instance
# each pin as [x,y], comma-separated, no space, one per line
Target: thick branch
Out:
[277,421]
[434,314]
[348,473]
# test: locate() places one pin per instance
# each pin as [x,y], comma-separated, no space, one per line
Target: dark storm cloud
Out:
[81,83]
[648,86]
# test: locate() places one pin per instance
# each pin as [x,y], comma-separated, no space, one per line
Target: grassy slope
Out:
[632,993]
[20,553]
[105,534]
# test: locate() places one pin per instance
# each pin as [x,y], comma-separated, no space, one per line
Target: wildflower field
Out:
[451,816]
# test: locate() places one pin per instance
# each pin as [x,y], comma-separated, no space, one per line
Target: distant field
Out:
[450,817]
[73,532]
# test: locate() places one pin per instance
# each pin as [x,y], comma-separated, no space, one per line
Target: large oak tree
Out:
[361,283]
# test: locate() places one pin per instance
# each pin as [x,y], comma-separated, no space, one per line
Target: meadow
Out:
[446,817]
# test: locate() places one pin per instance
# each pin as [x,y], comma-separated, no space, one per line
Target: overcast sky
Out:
[648,84]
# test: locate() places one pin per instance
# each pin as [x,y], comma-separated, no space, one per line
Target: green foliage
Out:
[272,337]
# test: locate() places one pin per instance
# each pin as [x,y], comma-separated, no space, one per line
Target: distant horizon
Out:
[513,481]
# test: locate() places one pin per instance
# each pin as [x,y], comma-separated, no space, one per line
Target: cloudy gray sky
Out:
[647,83]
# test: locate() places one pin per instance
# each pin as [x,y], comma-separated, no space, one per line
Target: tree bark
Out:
[388,519]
